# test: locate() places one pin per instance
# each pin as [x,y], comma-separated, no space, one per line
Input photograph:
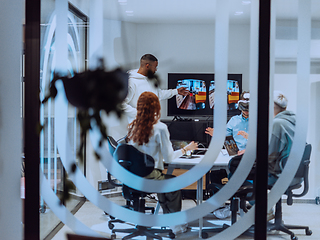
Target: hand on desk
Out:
[191,146]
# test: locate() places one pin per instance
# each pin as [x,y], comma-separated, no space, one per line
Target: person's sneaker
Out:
[270,215]
[153,196]
[180,228]
[222,212]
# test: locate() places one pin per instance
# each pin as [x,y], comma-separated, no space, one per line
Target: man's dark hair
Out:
[149,57]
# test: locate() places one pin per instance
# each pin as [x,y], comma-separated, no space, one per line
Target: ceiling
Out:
[194,11]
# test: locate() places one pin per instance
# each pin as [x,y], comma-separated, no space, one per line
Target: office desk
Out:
[187,163]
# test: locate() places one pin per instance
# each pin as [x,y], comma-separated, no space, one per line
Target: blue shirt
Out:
[238,123]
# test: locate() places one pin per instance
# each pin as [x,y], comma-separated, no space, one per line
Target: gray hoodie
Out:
[281,140]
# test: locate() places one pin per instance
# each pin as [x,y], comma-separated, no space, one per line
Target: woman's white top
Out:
[159,146]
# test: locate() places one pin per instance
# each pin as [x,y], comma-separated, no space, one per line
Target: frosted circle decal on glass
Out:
[191,214]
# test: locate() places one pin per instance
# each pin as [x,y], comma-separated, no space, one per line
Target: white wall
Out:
[185,48]
[314,137]
[95,169]
[125,46]
[10,119]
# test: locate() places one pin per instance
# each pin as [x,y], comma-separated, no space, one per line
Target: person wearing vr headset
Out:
[238,125]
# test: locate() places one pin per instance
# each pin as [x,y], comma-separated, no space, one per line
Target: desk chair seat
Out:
[140,164]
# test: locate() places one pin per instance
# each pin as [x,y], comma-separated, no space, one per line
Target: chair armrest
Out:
[124,163]
[305,180]
[214,187]
[305,184]
[112,182]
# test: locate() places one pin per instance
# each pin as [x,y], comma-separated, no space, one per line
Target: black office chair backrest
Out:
[133,160]
[304,162]
[302,175]
[112,144]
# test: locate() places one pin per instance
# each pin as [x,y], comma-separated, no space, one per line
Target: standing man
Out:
[139,82]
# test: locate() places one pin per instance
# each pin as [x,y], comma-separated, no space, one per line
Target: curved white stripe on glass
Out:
[95,197]
[303,89]
[248,158]
[176,183]
[149,185]
[61,211]
[73,52]
[301,126]
[225,193]
[45,58]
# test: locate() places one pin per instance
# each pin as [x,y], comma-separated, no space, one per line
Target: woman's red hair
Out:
[148,114]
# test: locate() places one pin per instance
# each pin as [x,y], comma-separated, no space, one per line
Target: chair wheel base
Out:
[204,235]
[172,235]
[308,232]
[111,226]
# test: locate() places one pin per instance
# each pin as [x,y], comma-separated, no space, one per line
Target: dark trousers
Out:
[233,164]
[170,202]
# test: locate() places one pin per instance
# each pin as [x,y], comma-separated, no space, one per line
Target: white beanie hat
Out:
[280,99]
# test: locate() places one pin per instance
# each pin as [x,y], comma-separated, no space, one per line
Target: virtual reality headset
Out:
[243,104]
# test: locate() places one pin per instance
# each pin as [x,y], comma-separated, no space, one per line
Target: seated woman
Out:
[151,136]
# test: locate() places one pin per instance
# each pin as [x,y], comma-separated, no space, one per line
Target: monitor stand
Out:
[178,118]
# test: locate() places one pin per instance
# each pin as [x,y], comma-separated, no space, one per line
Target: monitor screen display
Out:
[197,97]
[200,101]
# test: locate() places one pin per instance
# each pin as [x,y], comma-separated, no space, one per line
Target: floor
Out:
[49,221]
[299,213]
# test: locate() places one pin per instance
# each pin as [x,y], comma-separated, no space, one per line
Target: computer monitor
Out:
[200,102]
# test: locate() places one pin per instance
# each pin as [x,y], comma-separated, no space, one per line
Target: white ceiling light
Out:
[246,2]
[129,13]
[122,2]
[238,13]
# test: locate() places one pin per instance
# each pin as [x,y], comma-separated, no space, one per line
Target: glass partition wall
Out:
[50,161]
[228,46]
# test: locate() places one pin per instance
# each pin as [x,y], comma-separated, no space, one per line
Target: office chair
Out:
[112,145]
[301,176]
[243,195]
[140,164]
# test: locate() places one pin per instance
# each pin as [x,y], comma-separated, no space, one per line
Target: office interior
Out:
[184,36]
